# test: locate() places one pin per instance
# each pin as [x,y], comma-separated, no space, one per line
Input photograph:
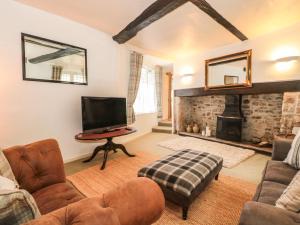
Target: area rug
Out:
[219,204]
[231,155]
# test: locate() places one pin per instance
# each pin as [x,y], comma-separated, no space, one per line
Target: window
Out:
[65,77]
[146,97]
[78,78]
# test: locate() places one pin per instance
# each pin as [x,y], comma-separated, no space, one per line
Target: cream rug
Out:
[231,155]
[220,204]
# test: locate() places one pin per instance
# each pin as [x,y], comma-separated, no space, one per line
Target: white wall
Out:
[31,111]
[266,49]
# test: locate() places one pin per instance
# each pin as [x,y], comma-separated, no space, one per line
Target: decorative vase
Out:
[207,131]
[203,132]
[196,128]
[189,129]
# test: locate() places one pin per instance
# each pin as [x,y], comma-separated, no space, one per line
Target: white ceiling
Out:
[184,31]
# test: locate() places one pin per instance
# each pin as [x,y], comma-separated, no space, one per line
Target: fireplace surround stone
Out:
[265,115]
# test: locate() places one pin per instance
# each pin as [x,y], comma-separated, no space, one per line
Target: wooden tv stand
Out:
[109,145]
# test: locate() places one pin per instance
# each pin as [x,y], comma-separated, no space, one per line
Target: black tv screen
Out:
[100,114]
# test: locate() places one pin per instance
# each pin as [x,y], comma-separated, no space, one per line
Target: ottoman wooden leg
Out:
[217,177]
[185,210]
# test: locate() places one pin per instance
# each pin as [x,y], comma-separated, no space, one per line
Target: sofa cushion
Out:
[269,192]
[293,158]
[279,172]
[36,165]
[56,196]
[290,199]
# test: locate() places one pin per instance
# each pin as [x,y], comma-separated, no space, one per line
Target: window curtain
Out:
[136,63]
[56,72]
[158,88]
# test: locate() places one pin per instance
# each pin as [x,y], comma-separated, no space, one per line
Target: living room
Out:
[164,112]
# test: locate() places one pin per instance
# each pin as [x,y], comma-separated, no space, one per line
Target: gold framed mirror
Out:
[230,71]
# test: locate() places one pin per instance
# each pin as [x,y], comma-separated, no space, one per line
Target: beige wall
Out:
[31,111]
[266,49]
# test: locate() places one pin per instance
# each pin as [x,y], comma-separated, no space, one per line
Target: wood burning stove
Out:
[229,124]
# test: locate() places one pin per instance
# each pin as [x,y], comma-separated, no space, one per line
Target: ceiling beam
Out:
[154,12]
[54,55]
[208,9]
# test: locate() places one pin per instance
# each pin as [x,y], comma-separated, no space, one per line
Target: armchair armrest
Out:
[281,148]
[256,213]
[137,202]
[88,211]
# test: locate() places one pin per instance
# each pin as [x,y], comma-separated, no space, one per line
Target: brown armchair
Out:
[38,167]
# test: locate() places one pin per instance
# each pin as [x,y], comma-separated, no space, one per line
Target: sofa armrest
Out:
[256,213]
[281,148]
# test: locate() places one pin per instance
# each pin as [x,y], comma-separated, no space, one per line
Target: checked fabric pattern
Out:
[181,171]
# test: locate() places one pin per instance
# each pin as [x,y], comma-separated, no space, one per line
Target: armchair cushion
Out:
[56,196]
[38,164]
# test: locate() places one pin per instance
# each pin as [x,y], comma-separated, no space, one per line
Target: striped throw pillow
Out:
[293,158]
[17,207]
[5,169]
[290,198]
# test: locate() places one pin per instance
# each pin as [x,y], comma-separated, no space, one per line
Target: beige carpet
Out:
[231,155]
[219,204]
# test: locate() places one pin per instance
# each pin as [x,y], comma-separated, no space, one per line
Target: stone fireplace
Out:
[262,115]
[229,123]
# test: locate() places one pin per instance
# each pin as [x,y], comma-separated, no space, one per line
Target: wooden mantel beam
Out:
[154,12]
[209,10]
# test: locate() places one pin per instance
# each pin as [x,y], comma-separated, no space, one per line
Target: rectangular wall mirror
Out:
[230,71]
[52,61]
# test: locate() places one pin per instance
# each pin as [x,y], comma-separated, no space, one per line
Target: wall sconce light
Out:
[286,63]
[187,78]
[187,75]
[288,59]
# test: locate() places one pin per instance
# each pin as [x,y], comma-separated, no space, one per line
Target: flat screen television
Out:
[101,114]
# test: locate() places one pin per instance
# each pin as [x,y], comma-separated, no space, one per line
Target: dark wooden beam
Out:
[154,12]
[54,55]
[257,88]
[208,9]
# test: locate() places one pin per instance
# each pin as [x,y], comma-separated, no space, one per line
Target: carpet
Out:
[231,155]
[219,204]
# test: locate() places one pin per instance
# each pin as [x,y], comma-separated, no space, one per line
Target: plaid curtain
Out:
[56,72]
[136,63]
[158,87]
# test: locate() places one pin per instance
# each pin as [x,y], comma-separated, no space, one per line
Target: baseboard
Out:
[77,157]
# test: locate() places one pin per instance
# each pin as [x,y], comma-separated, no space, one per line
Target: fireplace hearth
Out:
[229,124]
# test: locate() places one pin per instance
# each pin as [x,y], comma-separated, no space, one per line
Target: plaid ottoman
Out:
[183,175]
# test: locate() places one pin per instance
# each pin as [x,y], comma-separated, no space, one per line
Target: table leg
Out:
[122,147]
[107,147]
[96,150]
[104,159]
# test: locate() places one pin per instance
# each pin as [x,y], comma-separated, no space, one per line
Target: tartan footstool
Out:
[183,175]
